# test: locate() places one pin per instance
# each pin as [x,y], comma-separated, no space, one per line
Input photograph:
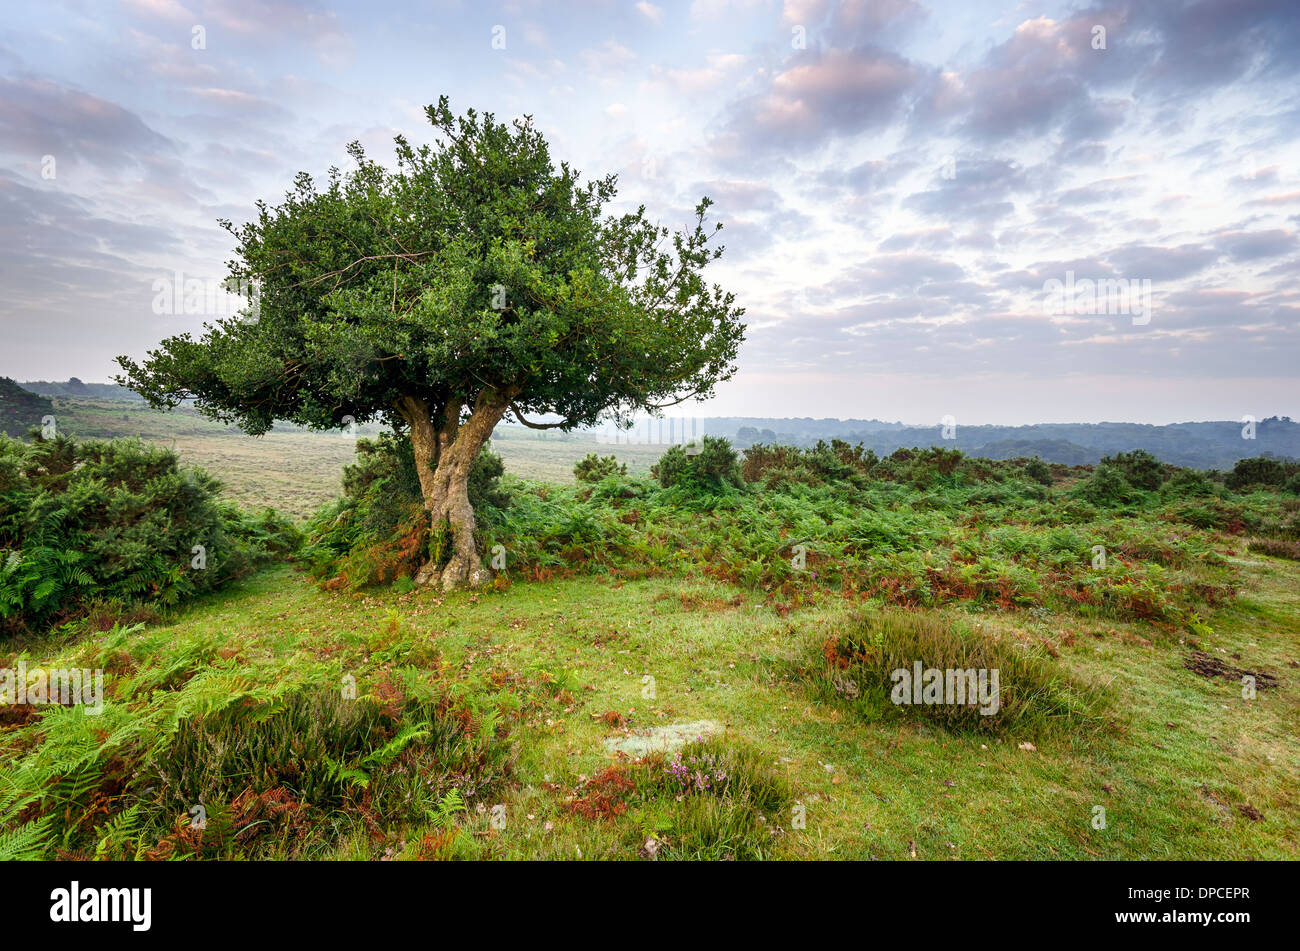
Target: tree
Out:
[1258,470]
[476,281]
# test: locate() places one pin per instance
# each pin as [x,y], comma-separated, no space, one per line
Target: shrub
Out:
[116,524]
[836,462]
[712,468]
[1259,470]
[1189,482]
[1293,484]
[1038,471]
[1140,469]
[594,468]
[673,467]
[1107,486]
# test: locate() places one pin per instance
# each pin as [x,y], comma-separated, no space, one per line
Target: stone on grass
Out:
[663,739]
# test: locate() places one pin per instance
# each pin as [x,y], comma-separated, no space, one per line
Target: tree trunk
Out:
[424,440]
[444,455]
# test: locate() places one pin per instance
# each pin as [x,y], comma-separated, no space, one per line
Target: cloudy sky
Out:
[900,182]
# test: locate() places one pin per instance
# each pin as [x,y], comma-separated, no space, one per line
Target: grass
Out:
[1179,760]
[984,682]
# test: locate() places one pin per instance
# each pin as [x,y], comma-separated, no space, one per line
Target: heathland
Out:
[312,702]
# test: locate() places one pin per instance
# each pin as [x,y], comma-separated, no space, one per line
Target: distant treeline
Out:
[1209,445]
[1204,445]
[74,387]
[20,409]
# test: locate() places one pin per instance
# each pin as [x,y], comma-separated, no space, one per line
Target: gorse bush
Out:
[1106,487]
[594,468]
[1189,483]
[825,463]
[116,525]
[711,468]
[1038,471]
[854,467]
[1139,468]
[930,466]
[1259,470]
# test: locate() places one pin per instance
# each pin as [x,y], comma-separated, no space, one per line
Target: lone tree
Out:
[477,281]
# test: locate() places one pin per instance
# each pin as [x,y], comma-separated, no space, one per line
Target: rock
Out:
[663,739]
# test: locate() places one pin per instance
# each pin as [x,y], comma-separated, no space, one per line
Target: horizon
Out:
[864,419]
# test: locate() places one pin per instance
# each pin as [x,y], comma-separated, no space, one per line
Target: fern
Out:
[359,775]
[119,831]
[348,774]
[444,812]
[393,748]
[30,842]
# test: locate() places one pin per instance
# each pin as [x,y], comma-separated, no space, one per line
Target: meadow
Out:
[324,707]
[296,470]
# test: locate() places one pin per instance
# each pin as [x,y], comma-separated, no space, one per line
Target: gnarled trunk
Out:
[444,454]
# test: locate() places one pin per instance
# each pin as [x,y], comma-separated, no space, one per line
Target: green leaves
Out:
[477,263]
[86,524]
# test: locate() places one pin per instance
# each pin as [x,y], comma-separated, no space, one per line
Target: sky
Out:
[918,199]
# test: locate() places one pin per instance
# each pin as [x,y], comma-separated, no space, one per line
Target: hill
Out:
[20,409]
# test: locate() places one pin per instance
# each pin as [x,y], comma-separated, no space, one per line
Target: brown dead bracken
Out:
[604,795]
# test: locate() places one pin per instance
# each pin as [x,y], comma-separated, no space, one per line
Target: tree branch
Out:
[520,416]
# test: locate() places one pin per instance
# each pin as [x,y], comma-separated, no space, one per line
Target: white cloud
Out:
[607,61]
[651,12]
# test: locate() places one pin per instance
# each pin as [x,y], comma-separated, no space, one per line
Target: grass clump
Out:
[1015,688]
[1276,548]
[714,799]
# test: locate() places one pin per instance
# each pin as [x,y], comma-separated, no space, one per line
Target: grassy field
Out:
[296,470]
[1183,766]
